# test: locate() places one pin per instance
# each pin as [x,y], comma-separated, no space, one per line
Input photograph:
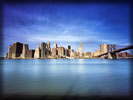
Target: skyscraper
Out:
[48,44]
[37,53]
[15,50]
[24,51]
[10,52]
[72,53]
[30,54]
[80,50]
[69,50]
[54,52]
[103,48]
[55,45]
[61,51]
[66,52]
[43,50]
[48,49]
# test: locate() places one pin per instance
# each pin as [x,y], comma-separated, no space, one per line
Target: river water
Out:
[82,77]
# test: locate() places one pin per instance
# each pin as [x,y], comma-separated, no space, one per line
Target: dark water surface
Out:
[82,77]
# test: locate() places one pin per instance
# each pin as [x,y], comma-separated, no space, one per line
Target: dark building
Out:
[123,54]
[48,49]
[69,50]
[43,50]
[30,53]
[66,52]
[15,50]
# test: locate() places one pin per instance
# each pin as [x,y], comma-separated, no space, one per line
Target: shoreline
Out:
[61,58]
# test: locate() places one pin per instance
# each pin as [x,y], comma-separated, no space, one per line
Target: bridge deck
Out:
[115,51]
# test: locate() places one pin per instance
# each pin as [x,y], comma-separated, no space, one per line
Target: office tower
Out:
[43,50]
[55,45]
[48,44]
[24,51]
[37,53]
[61,51]
[30,53]
[80,50]
[103,48]
[69,50]
[54,52]
[49,49]
[66,52]
[10,51]
[72,53]
[15,50]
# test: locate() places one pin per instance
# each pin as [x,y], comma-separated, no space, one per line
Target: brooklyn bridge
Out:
[113,49]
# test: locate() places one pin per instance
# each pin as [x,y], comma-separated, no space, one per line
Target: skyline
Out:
[66,24]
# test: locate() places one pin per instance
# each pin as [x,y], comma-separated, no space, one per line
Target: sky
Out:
[66,24]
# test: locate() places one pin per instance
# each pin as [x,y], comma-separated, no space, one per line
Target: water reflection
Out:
[65,76]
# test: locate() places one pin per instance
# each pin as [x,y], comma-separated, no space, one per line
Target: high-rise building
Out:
[37,53]
[24,51]
[69,50]
[10,52]
[48,44]
[48,49]
[43,50]
[61,51]
[55,45]
[66,52]
[54,52]
[30,53]
[15,50]
[80,50]
[72,53]
[103,48]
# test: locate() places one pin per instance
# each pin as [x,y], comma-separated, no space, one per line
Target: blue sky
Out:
[66,24]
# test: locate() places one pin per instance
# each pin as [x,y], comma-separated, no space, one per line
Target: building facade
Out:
[80,50]
[54,52]
[15,50]
[37,53]
[24,51]
[30,54]
[43,50]
[103,48]
[69,50]
[61,51]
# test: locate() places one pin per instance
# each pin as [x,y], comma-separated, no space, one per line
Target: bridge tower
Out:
[110,49]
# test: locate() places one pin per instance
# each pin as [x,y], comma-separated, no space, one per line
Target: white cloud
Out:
[55,38]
